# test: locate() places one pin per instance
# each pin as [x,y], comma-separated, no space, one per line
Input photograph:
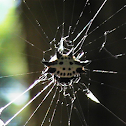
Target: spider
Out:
[65,67]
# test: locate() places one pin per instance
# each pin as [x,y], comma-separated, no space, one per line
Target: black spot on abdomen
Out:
[52,70]
[60,63]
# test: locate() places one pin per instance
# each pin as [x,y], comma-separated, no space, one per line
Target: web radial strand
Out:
[62,110]
[48,23]
[1,123]
[70,113]
[113,114]
[107,19]
[54,111]
[50,105]
[33,85]
[105,71]
[6,76]
[38,94]
[40,104]
[72,99]
[79,112]
[81,42]
[37,22]
[81,14]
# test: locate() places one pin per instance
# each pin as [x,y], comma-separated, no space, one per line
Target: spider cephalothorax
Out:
[65,67]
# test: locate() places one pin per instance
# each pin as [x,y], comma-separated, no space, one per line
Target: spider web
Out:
[103,44]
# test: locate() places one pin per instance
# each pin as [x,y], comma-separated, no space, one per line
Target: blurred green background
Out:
[13,61]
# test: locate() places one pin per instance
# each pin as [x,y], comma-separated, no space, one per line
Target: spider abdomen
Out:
[65,67]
